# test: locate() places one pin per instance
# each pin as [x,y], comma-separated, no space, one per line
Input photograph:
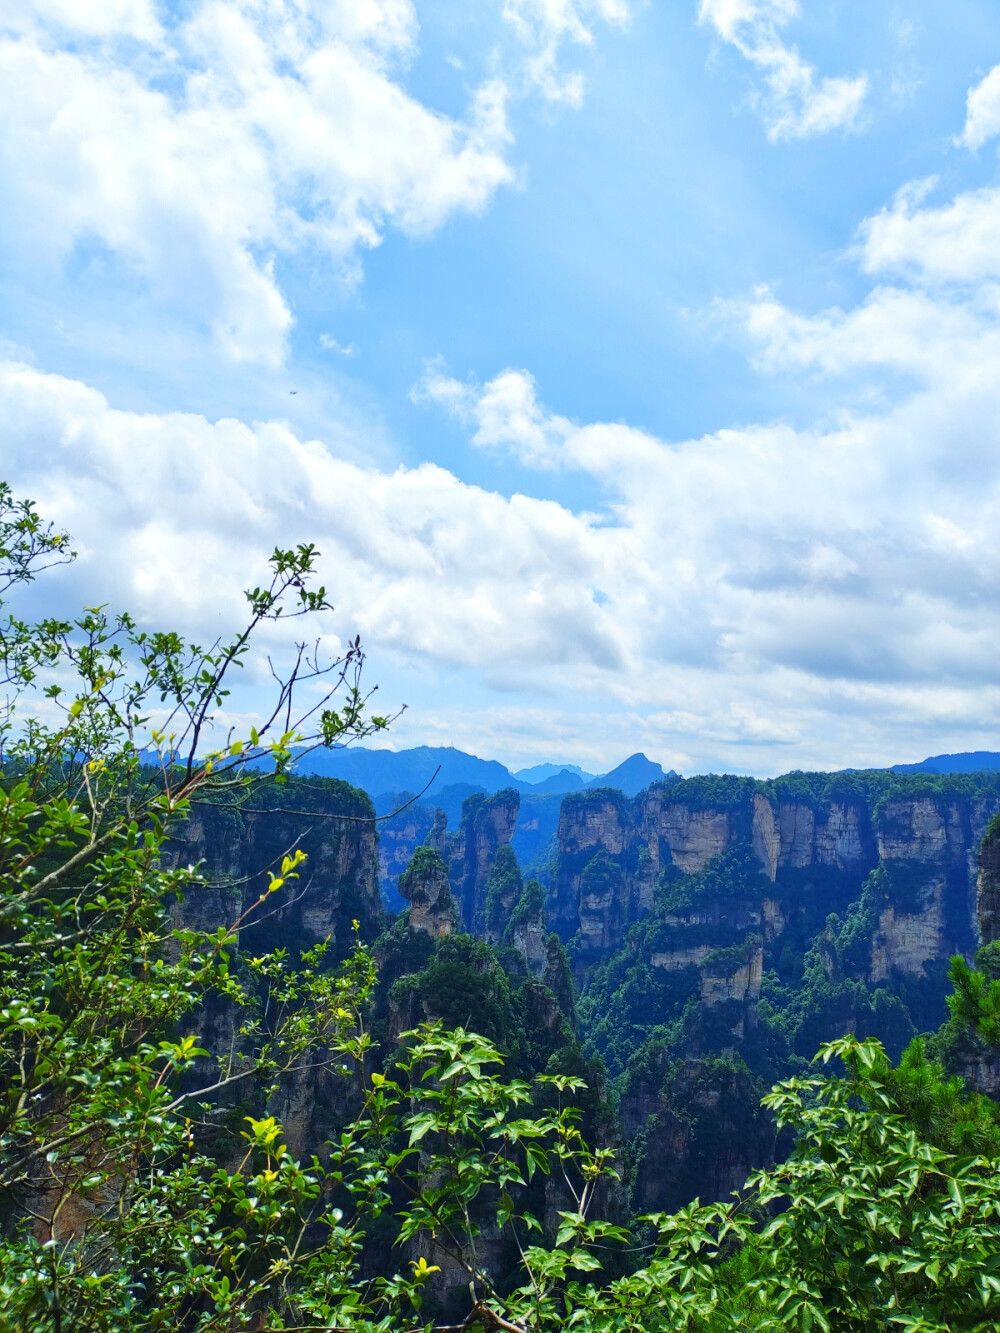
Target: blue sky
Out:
[643,355]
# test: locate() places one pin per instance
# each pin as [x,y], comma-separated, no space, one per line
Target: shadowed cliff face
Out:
[988,890]
[333,824]
[424,884]
[488,823]
[235,848]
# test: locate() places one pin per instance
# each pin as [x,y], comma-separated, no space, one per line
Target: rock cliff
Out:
[488,823]
[337,885]
[426,887]
[615,855]
[236,847]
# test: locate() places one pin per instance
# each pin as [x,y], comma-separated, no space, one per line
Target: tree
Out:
[93,982]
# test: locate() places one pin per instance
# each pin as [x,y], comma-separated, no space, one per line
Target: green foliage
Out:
[530,905]
[735,874]
[725,961]
[424,861]
[463,984]
[975,1002]
[503,891]
[714,791]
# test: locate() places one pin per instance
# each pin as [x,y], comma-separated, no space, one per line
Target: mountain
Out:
[717,930]
[378,771]
[971,761]
[633,776]
[563,781]
[538,773]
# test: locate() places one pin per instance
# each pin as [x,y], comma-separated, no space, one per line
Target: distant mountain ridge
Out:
[428,770]
[538,773]
[969,761]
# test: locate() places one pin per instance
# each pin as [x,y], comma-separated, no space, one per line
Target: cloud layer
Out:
[826,593]
[831,590]
[204,151]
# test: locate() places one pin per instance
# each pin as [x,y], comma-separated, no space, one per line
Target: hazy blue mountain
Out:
[558,784]
[408,770]
[633,776]
[534,838]
[971,761]
[445,768]
[538,773]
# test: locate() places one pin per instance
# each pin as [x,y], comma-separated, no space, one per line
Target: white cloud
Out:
[543,26]
[95,18]
[505,414]
[330,344]
[760,598]
[250,130]
[797,103]
[757,598]
[982,111]
[956,242]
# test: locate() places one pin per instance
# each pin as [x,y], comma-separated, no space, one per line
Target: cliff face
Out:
[488,823]
[701,1132]
[681,907]
[425,886]
[988,891]
[614,853]
[337,884]
[929,847]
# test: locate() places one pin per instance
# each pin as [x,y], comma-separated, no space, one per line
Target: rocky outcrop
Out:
[426,887]
[929,908]
[988,890]
[731,979]
[504,887]
[488,823]
[699,1131]
[238,849]
[596,829]
[816,851]
[907,941]
[526,929]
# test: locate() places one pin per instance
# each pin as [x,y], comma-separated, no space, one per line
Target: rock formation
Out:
[614,852]
[237,848]
[487,824]
[426,887]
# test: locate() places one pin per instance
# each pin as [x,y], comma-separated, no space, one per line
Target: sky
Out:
[633,366]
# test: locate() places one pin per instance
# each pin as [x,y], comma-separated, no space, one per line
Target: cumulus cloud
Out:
[760,597]
[956,242]
[982,111]
[754,590]
[172,514]
[246,131]
[797,103]
[505,414]
[544,26]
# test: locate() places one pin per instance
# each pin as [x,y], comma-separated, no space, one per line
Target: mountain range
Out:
[432,770]
[429,770]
